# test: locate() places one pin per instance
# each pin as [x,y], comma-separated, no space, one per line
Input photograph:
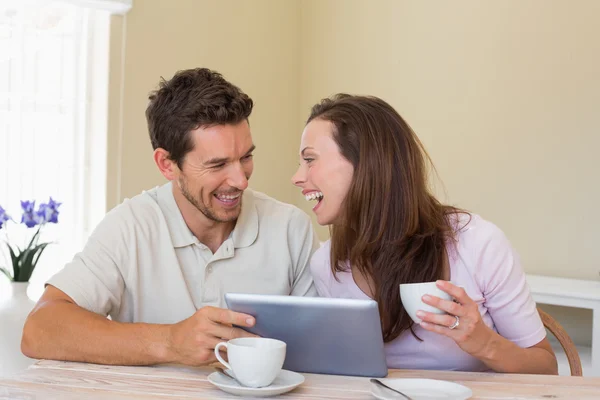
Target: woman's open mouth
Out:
[318,196]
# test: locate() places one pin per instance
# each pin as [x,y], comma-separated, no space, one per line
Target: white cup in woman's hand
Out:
[411,296]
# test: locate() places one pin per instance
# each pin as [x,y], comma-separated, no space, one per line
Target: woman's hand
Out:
[463,323]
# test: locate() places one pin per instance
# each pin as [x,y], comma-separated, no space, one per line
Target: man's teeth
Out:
[228,197]
[313,196]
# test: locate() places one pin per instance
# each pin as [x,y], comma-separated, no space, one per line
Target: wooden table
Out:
[66,380]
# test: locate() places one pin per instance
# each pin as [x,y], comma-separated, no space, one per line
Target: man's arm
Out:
[59,329]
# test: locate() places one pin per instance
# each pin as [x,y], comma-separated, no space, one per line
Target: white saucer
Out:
[285,381]
[421,389]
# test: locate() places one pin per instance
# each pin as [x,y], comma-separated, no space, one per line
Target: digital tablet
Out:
[323,335]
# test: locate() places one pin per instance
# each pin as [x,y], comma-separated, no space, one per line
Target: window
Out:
[53,106]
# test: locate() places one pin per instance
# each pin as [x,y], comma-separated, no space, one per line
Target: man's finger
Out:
[211,342]
[224,316]
[243,333]
[228,332]
[212,358]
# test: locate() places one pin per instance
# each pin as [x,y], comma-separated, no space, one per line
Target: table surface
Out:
[68,380]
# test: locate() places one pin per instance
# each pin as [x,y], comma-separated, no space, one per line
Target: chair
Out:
[565,341]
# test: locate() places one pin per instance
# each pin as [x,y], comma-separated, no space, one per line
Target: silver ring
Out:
[455,324]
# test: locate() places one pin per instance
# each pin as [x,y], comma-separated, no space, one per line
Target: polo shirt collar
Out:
[181,235]
[244,233]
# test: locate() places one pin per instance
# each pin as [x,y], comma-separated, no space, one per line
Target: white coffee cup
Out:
[411,296]
[255,362]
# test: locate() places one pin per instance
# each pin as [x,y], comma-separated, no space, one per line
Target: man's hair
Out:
[192,99]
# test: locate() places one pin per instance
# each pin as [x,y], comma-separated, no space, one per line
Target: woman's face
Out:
[324,174]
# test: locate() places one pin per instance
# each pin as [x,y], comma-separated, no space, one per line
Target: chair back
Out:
[565,341]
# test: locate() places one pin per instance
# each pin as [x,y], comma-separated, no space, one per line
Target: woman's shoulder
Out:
[320,260]
[482,249]
[320,269]
[472,230]
[476,238]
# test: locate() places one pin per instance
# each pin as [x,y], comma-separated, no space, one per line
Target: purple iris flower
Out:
[48,212]
[29,217]
[3,216]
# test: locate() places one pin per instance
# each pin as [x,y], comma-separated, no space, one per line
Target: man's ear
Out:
[166,166]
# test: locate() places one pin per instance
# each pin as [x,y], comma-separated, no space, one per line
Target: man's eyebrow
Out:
[214,161]
[223,160]
[250,151]
[304,150]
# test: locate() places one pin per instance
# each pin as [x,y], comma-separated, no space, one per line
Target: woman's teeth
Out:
[313,196]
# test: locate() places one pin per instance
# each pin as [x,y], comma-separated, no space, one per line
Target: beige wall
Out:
[505,96]
[254,44]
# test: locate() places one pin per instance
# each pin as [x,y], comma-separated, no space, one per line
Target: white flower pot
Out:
[15,305]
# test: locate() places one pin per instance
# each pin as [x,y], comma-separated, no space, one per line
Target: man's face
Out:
[215,173]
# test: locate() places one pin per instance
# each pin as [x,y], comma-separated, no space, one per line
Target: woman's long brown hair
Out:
[390,228]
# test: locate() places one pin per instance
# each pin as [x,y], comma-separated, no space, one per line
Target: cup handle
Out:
[218,355]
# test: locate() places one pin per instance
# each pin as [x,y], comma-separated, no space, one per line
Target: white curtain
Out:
[53,83]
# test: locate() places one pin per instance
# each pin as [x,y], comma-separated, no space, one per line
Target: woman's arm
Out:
[505,356]
[476,338]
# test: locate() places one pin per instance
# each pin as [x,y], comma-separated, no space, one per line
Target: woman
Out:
[367,171]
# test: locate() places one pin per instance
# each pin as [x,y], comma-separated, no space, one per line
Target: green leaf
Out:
[29,261]
[16,261]
[7,273]
[34,238]
[26,265]
[41,248]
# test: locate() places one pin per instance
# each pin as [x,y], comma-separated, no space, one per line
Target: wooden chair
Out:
[565,341]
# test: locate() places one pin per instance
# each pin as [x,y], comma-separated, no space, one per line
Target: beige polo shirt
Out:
[143,264]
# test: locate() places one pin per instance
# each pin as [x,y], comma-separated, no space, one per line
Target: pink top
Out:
[488,268]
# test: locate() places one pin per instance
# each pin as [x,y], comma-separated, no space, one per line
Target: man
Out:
[160,263]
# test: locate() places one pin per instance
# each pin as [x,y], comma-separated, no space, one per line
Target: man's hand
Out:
[193,340]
